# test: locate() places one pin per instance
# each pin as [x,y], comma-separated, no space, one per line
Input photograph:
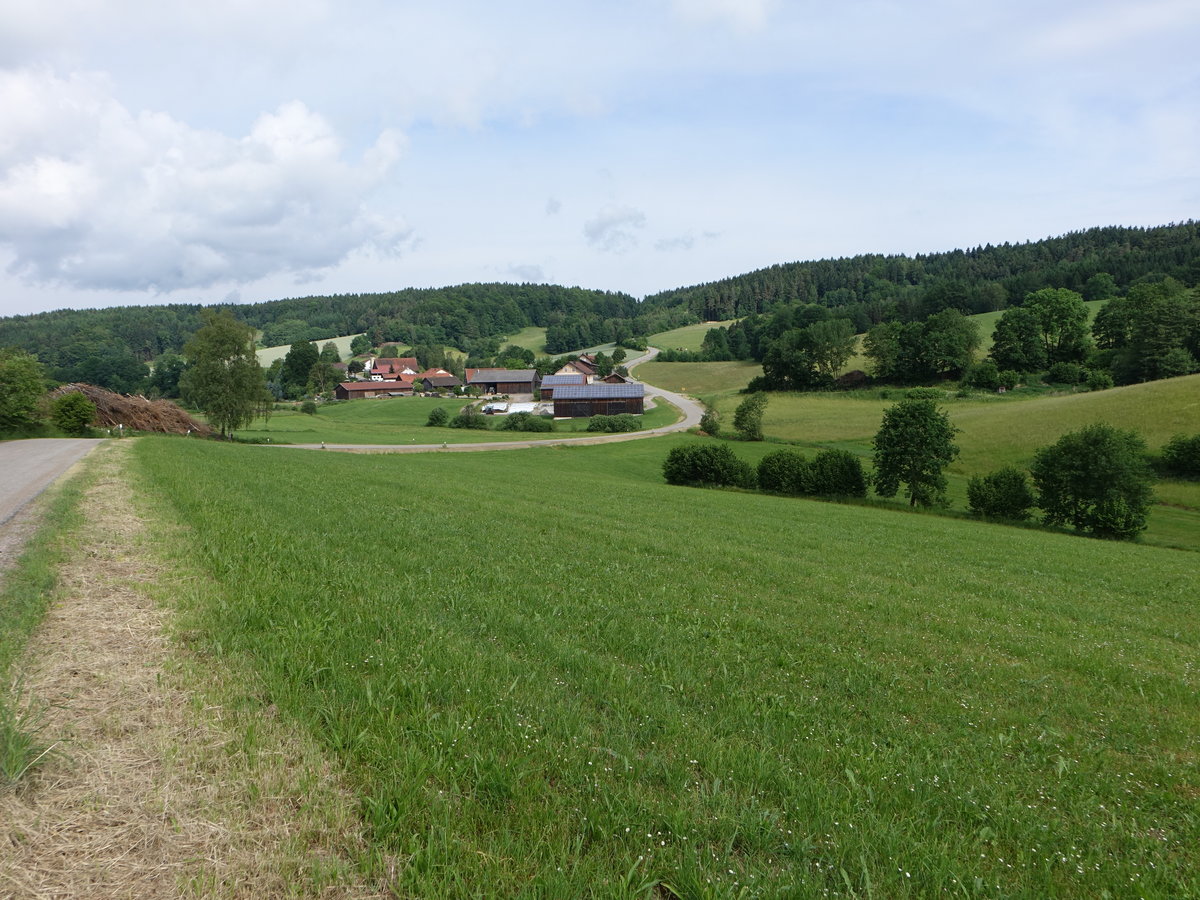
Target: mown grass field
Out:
[531,338]
[401,420]
[268,355]
[689,337]
[700,693]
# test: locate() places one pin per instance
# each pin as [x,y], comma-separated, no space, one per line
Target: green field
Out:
[998,431]
[709,693]
[531,338]
[703,380]
[268,355]
[689,337]
[401,420]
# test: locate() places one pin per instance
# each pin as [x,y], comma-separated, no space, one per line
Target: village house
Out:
[585,366]
[598,399]
[389,368]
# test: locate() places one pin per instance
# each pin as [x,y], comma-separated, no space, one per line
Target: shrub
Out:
[615,424]
[925,393]
[309,408]
[1009,379]
[707,465]
[73,413]
[525,421]
[1065,373]
[837,473]
[439,416]
[1099,380]
[1097,480]
[710,422]
[1181,456]
[984,376]
[1004,494]
[784,472]
[470,417]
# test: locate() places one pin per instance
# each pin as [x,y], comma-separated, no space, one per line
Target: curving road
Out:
[692,411]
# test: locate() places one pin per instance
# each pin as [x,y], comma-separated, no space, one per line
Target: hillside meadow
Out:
[995,430]
[573,680]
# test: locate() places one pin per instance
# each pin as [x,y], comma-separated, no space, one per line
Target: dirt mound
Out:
[135,412]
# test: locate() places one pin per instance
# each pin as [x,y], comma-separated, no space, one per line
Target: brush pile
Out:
[134,412]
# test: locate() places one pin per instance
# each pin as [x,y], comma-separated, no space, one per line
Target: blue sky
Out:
[156,152]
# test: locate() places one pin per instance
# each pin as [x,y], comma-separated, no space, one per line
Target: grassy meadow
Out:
[401,420]
[698,693]
[689,337]
[1005,430]
[268,355]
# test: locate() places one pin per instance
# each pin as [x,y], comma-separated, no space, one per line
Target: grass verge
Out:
[25,592]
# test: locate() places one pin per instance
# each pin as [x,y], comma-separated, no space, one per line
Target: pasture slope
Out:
[553,675]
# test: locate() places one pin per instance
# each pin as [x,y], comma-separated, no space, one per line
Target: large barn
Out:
[576,401]
[503,381]
[551,383]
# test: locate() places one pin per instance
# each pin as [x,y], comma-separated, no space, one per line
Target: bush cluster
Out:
[439,416]
[470,417]
[832,473]
[1066,373]
[615,424]
[707,465]
[1004,494]
[525,421]
[1181,456]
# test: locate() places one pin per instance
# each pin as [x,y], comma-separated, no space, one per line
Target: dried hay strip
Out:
[134,411]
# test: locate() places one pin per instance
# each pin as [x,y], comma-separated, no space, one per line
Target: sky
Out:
[248,150]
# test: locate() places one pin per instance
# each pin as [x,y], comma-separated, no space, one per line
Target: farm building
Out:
[599,399]
[585,365]
[446,382]
[503,381]
[357,390]
[386,369]
[551,382]
[614,378]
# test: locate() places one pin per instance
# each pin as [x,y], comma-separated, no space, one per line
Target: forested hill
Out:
[983,279]
[459,316]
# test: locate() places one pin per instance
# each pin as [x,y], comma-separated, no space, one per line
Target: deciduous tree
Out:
[1096,479]
[223,377]
[914,444]
[22,382]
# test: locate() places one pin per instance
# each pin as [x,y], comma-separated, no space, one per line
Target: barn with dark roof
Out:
[575,401]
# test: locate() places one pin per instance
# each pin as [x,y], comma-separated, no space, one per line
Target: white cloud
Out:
[611,230]
[94,196]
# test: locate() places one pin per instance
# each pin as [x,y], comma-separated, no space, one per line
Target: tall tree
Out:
[1017,341]
[297,367]
[1062,318]
[223,377]
[748,417]
[914,444]
[22,382]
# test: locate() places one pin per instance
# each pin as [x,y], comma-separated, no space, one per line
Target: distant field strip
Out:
[566,678]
